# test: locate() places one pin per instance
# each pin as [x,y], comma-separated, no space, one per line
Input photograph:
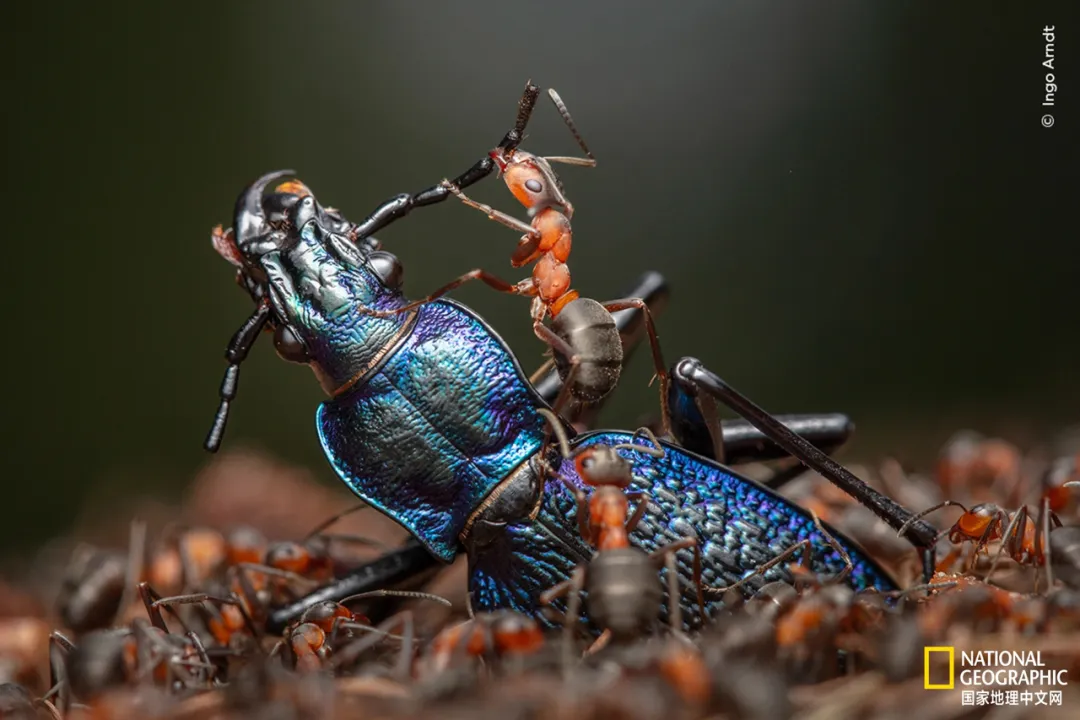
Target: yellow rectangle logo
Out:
[926,668]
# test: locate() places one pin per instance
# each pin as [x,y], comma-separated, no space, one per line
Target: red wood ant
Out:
[187,559]
[98,583]
[315,643]
[142,651]
[588,351]
[498,634]
[620,582]
[985,523]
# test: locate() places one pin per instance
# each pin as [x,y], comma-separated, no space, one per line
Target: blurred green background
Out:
[855,204]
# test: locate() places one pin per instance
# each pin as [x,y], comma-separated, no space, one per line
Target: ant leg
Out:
[642,500]
[525,287]
[527,250]
[355,649]
[261,569]
[1011,542]
[59,650]
[211,674]
[530,233]
[136,560]
[150,599]
[803,545]
[582,500]
[555,592]
[654,345]
[238,349]
[199,598]
[673,599]
[993,526]
[1042,542]
[54,713]
[573,612]
[702,384]
[831,542]
[333,519]
[685,544]
[400,206]
[599,644]
[560,346]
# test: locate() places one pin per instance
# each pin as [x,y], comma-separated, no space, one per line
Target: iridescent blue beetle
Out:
[431,419]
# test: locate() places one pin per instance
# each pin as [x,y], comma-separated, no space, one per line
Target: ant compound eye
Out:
[534,185]
[289,346]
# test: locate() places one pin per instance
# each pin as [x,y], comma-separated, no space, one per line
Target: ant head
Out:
[516,633]
[975,523]
[245,544]
[602,465]
[324,614]
[532,181]
[984,511]
[288,556]
[310,634]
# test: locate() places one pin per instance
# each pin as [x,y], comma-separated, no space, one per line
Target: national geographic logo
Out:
[992,674]
[927,652]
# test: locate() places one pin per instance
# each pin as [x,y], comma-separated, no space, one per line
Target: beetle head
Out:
[306,262]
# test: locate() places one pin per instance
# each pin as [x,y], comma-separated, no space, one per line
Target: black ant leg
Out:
[239,347]
[693,380]
[401,205]
[60,648]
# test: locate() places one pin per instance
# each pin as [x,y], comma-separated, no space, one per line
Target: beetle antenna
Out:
[238,350]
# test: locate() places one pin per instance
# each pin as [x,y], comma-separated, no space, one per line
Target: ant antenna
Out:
[561,106]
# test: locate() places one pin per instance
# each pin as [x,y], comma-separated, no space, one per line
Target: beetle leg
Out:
[694,380]
[401,205]
[407,563]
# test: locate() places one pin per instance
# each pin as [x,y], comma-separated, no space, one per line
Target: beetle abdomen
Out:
[590,330]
